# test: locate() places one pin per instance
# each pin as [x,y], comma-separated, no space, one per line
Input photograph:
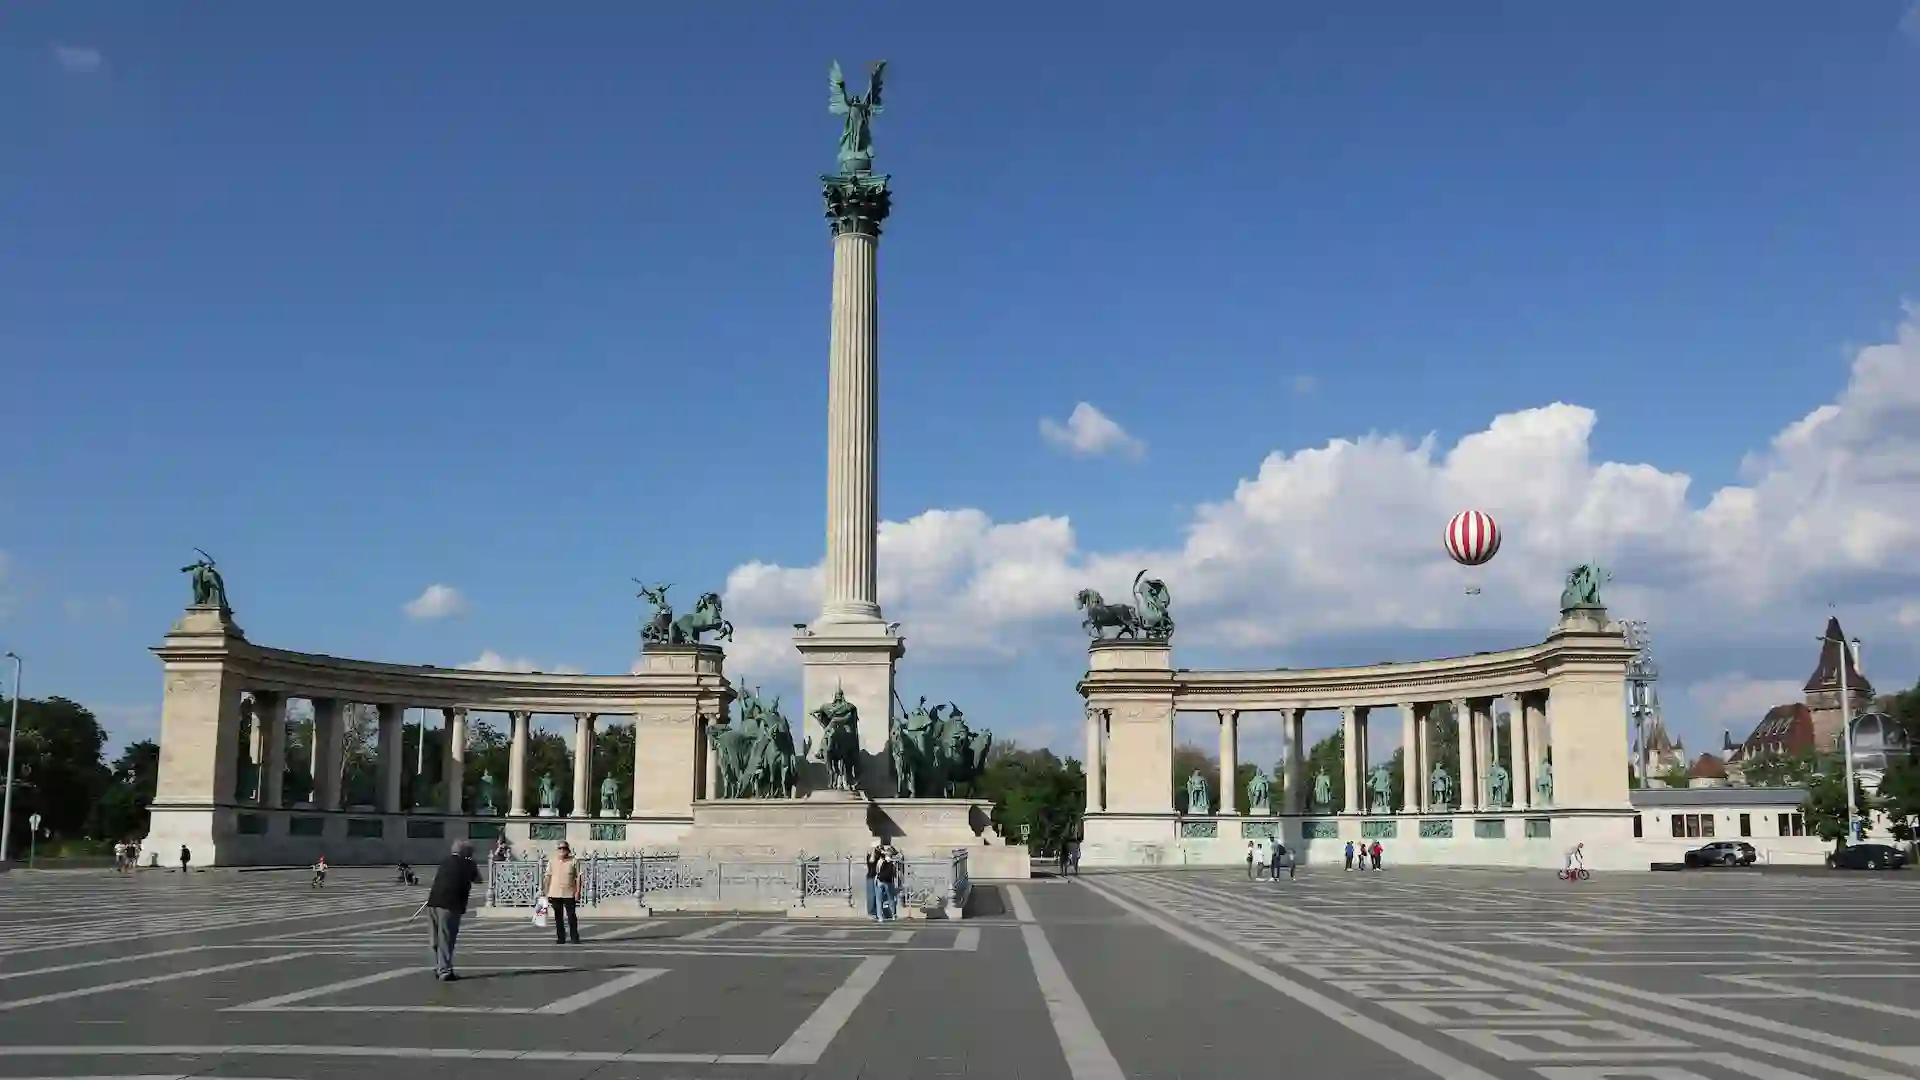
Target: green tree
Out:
[1903,709]
[1036,789]
[1900,799]
[58,771]
[1781,770]
[121,813]
[1825,807]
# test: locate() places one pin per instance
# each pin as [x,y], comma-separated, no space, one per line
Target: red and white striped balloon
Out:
[1472,538]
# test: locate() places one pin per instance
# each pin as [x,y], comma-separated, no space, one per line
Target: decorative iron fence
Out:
[668,879]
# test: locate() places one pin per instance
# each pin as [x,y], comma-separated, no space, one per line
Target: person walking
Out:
[1279,854]
[186,858]
[563,895]
[446,903]
[1250,860]
[873,881]
[887,877]
[1349,854]
[1376,853]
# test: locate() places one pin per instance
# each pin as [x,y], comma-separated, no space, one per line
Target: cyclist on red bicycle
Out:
[1577,857]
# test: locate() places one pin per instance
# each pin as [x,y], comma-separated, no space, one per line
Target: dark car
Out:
[1723,853]
[1867,857]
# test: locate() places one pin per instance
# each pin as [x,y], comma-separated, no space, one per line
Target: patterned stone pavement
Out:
[1465,974]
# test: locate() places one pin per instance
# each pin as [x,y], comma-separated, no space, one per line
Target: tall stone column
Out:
[850,648]
[582,762]
[1424,787]
[391,768]
[1229,760]
[1463,725]
[327,716]
[1096,797]
[270,712]
[1351,759]
[1295,795]
[1522,771]
[1411,761]
[455,772]
[517,764]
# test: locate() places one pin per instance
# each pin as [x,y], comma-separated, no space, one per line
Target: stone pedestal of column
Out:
[857,660]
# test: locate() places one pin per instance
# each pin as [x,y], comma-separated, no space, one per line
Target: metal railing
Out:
[668,879]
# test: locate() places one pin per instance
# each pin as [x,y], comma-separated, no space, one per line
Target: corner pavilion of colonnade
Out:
[1566,699]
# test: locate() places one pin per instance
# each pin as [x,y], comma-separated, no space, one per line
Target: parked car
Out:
[1867,857]
[1723,853]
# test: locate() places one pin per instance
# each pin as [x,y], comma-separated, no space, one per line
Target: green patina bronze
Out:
[934,752]
[1197,800]
[1322,793]
[1259,794]
[548,791]
[1500,785]
[756,755]
[609,796]
[1380,785]
[1440,788]
[1583,587]
[839,747]
[485,794]
[856,133]
[661,628]
[1147,617]
[209,588]
[1544,786]
[858,200]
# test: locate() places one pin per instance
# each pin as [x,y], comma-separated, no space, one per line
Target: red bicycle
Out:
[1580,874]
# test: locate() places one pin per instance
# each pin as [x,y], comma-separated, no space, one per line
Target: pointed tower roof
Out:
[1827,675]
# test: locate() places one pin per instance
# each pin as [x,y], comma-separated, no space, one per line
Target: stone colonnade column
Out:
[1539,739]
[270,713]
[1424,786]
[517,765]
[1095,768]
[1351,760]
[1229,759]
[1522,771]
[710,764]
[582,762]
[391,767]
[456,759]
[1483,737]
[327,714]
[1411,761]
[1469,798]
[1295,795]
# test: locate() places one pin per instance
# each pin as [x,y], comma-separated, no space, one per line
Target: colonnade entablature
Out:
[1566,734]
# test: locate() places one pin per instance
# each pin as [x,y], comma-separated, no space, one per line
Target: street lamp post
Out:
[1849,656]
[13,726]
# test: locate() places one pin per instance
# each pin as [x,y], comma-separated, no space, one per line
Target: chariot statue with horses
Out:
[1147,617]
[1583,587]
[661,628]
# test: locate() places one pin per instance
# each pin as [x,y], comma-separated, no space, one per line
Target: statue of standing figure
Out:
[609,796]
[856,134]
[1380,785]
[485,794]
[1259,794]
[840,741]
[1197,801]
[1544,788]
[1440,788]
[209,588]
[1500,785]
[1322,793]
[1583,587]
[549,792]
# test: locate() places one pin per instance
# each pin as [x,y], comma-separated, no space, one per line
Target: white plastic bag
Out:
[540,913]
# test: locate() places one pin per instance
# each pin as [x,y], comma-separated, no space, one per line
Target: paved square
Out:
[1465,974]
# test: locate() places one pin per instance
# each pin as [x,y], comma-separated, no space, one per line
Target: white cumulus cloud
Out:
[489,660]
[436,602]
[1089,432]
[1345,537]
[78,59]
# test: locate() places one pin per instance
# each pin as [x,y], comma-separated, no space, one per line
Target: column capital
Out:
[588,717]
[857,204]
[454,711]
[1227,716]
[520,716]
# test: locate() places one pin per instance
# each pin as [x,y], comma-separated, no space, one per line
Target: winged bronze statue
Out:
[856,137]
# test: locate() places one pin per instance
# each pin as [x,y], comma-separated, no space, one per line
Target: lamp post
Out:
[13,726]
[1849,656]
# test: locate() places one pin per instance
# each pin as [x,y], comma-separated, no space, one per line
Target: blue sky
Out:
[363,299]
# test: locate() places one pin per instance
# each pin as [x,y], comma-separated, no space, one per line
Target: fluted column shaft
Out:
[582,762]
[1096,794]
[853,434]
[1469,783]
[1411,760]
[327,715]
[270,713]
[1295,795]
[1350,759]
[455,773]
[1423,787]
[1229,760]
[517,765]
[391,768]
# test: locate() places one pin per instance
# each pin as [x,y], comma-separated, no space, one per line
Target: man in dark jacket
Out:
[447,902]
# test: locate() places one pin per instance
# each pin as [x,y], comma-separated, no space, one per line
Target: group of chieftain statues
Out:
[934,753]
[1147,617]
[755,753]
[1441,790]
